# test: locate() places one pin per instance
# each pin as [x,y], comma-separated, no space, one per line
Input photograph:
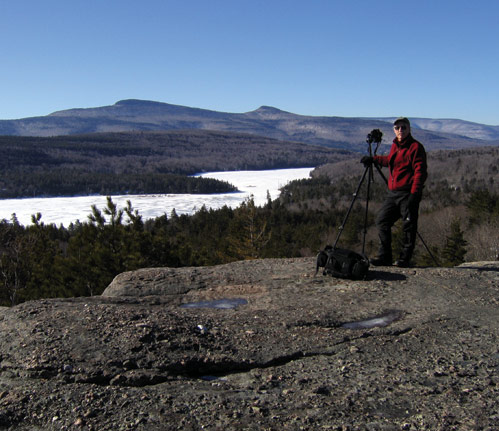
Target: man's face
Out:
[401,130]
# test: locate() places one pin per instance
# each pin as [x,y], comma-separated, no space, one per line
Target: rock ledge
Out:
[410,349]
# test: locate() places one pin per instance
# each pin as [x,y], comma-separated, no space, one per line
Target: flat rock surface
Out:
[406,349]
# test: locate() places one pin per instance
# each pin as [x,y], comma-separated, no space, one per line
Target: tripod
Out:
[374,136]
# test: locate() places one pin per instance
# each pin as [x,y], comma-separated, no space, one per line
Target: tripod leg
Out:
[369,179]
[382,174]
[351,206]
[428,250]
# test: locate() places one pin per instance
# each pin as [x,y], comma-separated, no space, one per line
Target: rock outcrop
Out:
[258,345]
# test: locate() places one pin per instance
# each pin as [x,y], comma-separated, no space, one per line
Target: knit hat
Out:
[402,120]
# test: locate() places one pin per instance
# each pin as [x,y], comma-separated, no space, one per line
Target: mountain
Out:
[337,132]
[454,126]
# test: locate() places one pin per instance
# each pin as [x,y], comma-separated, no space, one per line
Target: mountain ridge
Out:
[453,125]
[330,131]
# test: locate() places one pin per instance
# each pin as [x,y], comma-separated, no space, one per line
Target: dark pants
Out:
[395,206]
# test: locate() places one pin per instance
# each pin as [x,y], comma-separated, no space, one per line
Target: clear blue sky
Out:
[425,58]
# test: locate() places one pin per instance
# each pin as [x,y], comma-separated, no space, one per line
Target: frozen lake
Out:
[69,209]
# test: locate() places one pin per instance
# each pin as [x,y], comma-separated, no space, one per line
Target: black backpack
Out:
[342,263]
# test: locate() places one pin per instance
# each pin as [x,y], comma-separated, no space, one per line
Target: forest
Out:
[459,220]
[142,162]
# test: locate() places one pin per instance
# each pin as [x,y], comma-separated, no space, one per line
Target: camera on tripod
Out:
[346,263]
[375,136]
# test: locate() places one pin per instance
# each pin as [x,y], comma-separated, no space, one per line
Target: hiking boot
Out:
[402,263]
[380,261]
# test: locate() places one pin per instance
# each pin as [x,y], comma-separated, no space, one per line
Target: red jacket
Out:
[407,163]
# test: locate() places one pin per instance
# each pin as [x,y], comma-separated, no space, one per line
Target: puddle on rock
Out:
[213,378]
[377,321]
[224,303]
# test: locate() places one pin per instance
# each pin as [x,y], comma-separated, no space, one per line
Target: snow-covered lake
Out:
[69,209]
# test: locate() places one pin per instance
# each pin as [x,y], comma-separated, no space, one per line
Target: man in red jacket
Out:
[408,171]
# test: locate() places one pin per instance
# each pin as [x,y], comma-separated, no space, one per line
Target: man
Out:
[408,171]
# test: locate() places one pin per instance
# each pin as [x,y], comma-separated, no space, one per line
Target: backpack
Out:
[342,263]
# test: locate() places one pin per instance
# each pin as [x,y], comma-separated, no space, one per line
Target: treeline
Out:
[459,221]
[43,261]
[142,162]
[70,182]
[464,230]
[459,213]
[452,175]
[40,261]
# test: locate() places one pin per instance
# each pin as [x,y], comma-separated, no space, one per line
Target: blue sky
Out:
[425,58]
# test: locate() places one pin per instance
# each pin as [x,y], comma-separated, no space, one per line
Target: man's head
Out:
[402,128]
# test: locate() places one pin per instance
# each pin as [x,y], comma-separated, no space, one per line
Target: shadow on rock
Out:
[386,276]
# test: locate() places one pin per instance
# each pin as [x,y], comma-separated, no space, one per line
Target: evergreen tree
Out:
[15,267]
[249,231]
[482,205]
[455,245]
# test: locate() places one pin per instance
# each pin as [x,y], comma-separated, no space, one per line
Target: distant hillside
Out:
[141,162]
[456,127]
[458,170]
[335,132]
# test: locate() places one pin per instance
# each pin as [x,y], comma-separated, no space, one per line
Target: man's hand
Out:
[367,161]
[414,199]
